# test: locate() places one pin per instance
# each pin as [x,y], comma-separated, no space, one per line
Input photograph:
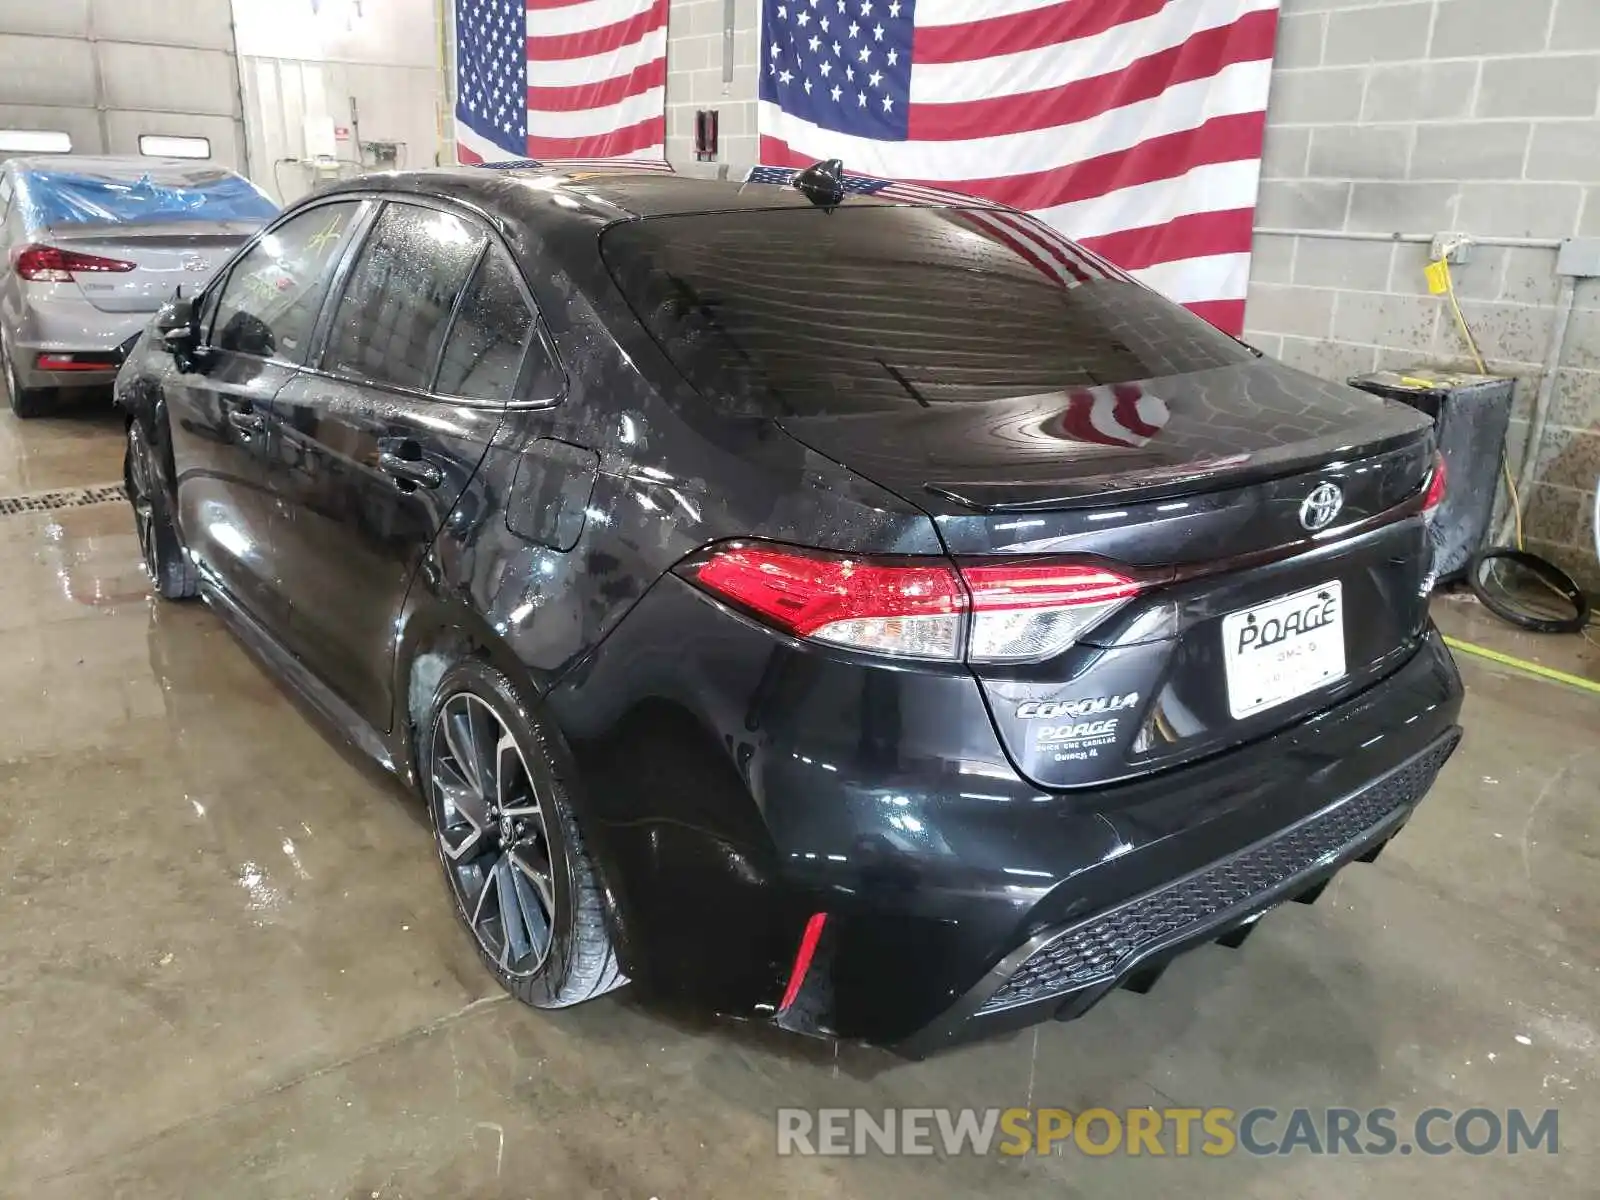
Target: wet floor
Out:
[228,967]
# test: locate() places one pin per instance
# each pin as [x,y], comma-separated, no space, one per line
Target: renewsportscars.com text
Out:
[1175,1132]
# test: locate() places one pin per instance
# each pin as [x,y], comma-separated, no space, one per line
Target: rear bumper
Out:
[30,376]
[1063,972]
[75,329]
[737,785]
[90,367]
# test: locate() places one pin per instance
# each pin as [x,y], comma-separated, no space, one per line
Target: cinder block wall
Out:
[695,51]
[1482,116]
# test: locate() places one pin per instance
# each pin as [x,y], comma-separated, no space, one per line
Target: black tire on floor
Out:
[581,963]
[175,577]
[25,402]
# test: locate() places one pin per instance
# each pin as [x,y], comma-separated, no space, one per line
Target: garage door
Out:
[121,77]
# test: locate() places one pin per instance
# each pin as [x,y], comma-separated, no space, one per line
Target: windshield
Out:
[857,310]
[140,194]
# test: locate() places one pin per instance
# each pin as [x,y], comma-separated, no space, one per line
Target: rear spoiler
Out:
[1136,483]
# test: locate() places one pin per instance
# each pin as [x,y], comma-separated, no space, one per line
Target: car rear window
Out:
[811,312]
[161,192]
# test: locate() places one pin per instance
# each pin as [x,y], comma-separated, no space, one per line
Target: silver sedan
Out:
[93,246]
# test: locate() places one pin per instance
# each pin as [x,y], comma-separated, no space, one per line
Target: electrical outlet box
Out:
[1579,257]
[1454,248]
[381,154]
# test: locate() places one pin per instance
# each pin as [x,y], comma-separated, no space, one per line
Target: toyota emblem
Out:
[1321,506]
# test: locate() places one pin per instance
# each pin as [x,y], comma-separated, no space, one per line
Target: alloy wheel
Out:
[141,496]
[492,835]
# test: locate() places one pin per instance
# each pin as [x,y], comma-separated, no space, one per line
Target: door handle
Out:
[247,422]
[413,471]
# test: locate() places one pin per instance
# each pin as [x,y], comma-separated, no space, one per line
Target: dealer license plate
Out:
[1284,648]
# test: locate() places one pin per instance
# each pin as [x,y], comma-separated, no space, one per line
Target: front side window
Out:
[483,356]
[206,317]
[268,307]
[391,321]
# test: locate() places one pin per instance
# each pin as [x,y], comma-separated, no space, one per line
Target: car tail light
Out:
[931,609]
[1022,612]
[915,611]
[1437,483]
[50,264]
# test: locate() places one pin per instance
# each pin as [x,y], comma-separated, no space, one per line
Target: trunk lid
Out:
[1196,485]
[164,256]
[1162,681]
[1113,444]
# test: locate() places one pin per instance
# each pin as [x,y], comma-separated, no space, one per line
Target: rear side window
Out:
[396,307]
[269,304]
[865,309]
[484,353]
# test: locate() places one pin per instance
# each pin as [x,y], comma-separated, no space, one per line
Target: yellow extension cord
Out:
[1522,664]
[1440,271]
[1439,274]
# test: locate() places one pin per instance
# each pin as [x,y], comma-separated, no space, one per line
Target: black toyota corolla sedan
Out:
[880,619]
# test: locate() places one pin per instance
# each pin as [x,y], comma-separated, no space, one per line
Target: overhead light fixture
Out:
[153,145]
[35,141]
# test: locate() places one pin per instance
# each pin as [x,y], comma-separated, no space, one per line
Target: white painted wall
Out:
[382,32]
[310,58]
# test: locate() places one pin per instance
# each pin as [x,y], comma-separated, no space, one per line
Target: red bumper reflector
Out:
[71,362]
[802,958]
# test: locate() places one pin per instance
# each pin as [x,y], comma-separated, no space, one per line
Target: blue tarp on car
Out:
[51,198]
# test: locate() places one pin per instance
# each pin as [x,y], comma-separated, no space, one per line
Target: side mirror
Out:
[176,328]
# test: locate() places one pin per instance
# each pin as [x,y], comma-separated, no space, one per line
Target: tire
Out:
[175,577]
[473,704]
[25,402]
[1553,577]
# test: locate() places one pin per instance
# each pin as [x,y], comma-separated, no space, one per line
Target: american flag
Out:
[1064,261]
[1132,127]
[1118,414]
[558,79]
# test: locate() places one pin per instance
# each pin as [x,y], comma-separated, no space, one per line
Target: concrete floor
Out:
[228,966]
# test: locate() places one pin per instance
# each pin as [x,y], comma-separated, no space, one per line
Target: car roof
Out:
[611,192]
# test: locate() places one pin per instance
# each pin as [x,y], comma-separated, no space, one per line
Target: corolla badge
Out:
[1028,710]
[1321,506]
[196,262]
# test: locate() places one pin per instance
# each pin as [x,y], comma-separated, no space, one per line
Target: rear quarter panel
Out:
[664,472]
